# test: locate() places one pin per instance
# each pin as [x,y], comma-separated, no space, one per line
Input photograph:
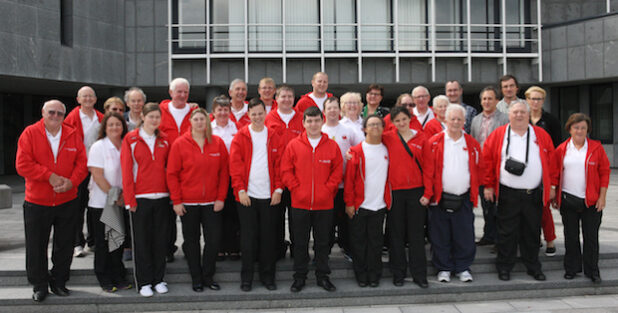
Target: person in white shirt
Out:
[509,88]
[238,96]
[223,127]
[453,159]
[254,167]
[367,197]
[104,166]
[421,97]
[266,89]
[135,98]
[351,108]
[346,138]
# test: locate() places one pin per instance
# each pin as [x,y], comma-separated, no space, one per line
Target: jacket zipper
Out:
[586,176]
[312,177]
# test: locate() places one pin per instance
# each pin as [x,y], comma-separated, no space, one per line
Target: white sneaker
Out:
[444,276]
[161,287]
[146,291]
[78,252]
[465,276]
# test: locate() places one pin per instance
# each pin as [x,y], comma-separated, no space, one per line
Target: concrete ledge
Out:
[6,197]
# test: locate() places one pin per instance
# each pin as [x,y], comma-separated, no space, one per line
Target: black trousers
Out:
[150,239]
[285,205]
[108,266]
[341,232]
[38,222]
[321,221]
[406,220]
[172,233]
[590,221]
[201,265]
[230,238]
[83,195]
[257,232]
[519,224]
[366,239]
[452,238]
[489,216]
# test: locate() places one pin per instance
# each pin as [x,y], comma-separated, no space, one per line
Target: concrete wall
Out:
[558,11]
[30,41]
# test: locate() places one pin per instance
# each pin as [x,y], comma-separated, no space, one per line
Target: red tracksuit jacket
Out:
[74,120]
[143,172]
[492,158]
[432,127]
[168,124]
[434,164]
[195,175]
[35,162]
[403,171]
[288,132]
[414,124]
[597,170]
[354,186]
[305,101]
[241,151]
[312,175]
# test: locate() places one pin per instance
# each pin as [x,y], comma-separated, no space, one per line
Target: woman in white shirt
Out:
[351,107]
[104,165]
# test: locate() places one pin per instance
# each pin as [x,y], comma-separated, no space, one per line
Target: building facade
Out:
[51,48]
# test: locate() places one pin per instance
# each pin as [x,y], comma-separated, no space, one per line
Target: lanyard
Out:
[508,141]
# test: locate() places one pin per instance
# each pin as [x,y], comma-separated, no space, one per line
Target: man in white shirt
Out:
[135,98]
[319,83]
[421,97]
[509,88]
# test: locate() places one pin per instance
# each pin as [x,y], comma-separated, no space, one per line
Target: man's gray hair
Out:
[177,81]
[236,81]
[420,87]
[132,89]
[516,101]
[452,107]
[440,98]
[47,103]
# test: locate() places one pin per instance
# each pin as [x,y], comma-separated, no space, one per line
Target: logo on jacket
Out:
[343,137]
[324,161]
[71,149]
[215,154]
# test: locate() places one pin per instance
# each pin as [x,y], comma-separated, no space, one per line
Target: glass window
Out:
[568,98]
[340,37]
[302,20]
[375,29]
[601,112]
[230,37]
[449,38]
[412,37]
[266,37]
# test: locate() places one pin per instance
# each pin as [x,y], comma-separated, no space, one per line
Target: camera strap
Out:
[508,141]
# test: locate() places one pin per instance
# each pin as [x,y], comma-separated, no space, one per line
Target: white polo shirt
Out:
[226,133]
[533,173]
[345,137]
[574,172]
[376,169]
[104,155]
[456,169]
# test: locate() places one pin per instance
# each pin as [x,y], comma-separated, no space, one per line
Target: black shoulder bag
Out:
[511,165]
[405,145]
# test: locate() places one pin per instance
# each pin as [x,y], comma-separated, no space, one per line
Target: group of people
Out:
[364,177]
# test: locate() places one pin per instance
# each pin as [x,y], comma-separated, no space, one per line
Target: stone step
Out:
[229,271]
[485,287]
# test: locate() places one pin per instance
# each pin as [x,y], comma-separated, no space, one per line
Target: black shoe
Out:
[297,285]
[484,242]
[39,295]
[550,251]
[169,258]
[374,284]
[326,284]
[596,278]
[61,291]
[213,285]
[421,282]
[398,282]
[504,275]
[569,275]
[270,285]
[537,275]
[361,283]
[197,287]
[245,286]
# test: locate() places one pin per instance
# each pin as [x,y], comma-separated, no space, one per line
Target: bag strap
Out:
[508,142]
[405,145]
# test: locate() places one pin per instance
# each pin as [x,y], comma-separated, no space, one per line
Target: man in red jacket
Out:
[238,104]
[312,168]
[175,114]
[85,119]
[52,159]
[516,158]
[318,96]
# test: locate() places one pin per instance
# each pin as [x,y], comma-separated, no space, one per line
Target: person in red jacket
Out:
[452,160]
[52,159]
[312,168]
[254,167]
[175,115]
[437,124]
[404,100]
[267,89]
[367,196]
[579,178]
[198,201]
[516,162]
[143,158]
[406,219]
[317,97]
[289,124]
[85,119]
[238,95]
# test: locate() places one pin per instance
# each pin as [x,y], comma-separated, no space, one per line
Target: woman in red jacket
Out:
[411,193]
[143,158]
[580,199]
[198,177]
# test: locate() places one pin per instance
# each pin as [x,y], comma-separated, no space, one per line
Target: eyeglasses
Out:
[420,96]
[375,94]
[536,99]
[58,113]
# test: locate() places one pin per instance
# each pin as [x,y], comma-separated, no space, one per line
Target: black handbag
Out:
[511,165]
[573,202]
[451,202]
